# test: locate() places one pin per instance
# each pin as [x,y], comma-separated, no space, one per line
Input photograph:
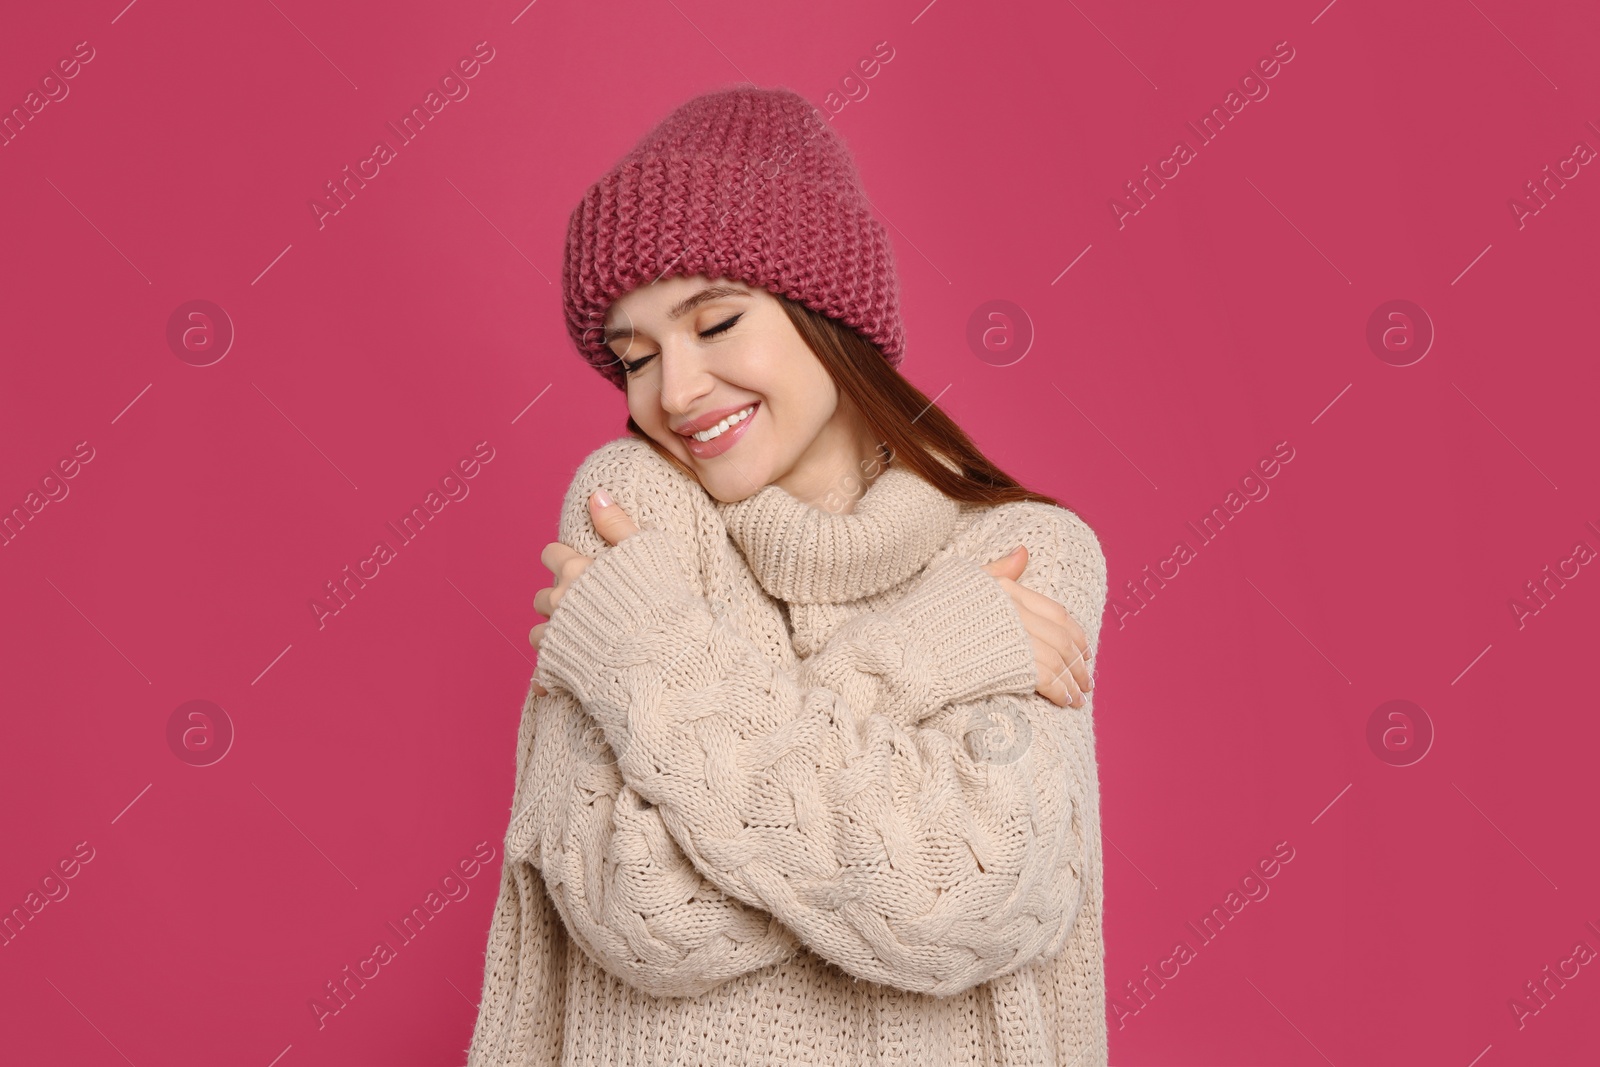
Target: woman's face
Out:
[701,350]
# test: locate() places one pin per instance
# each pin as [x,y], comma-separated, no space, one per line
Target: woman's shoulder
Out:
[1065,559]
[651,490]
[1040,526]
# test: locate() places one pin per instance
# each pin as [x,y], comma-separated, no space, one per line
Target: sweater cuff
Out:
[603,624]
[966,622]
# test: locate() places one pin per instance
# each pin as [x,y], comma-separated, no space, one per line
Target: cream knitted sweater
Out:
[791,796]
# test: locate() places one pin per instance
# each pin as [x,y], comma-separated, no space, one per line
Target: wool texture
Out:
[742,183]
[791,796]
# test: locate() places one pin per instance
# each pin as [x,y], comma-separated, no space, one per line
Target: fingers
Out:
[1065,638]
[1056,680]
[1011,565]
[1049,685]
[1055,683]
[1056,623]
[1062,643]
[610,521]
[1063,674]
[566,565]
[1055,611]
[556,554]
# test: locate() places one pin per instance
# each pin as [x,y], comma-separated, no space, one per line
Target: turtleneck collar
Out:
[807,555]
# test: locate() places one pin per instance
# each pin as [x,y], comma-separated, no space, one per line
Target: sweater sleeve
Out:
[626,893]
[524,958]
[863,799]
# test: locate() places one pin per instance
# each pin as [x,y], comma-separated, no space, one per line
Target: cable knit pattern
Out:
[730,831]
[744,183]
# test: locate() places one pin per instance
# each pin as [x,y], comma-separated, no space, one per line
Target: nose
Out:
[684,379]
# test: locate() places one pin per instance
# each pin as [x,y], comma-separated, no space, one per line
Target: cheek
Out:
[640,409]
[790,369]
[801,410]
[816,393]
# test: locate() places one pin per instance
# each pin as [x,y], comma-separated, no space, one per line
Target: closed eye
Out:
[721,327]
[629,368]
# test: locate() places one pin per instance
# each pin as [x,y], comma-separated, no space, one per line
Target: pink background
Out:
[371,756]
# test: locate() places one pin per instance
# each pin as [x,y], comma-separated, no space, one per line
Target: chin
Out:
[731,482]
[731,499]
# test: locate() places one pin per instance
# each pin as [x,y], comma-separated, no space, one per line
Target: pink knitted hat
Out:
[744,183]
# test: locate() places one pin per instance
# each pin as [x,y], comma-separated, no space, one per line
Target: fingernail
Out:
[602,498]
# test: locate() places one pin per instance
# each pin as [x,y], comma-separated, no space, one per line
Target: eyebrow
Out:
[683,307]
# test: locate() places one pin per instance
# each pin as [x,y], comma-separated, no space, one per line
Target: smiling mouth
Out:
[711,433]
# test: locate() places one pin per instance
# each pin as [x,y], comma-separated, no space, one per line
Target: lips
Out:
[709,419]
[728,438]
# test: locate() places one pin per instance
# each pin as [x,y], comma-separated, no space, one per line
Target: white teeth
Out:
[732,420]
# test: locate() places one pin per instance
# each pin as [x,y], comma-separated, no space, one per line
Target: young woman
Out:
[806,773]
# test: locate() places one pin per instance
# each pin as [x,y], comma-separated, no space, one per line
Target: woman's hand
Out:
[611,523]
[1060,646]
[1059,643]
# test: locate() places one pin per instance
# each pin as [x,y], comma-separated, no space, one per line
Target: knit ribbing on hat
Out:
[746,184]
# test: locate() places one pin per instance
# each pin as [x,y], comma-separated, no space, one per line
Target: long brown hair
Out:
[901,416]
